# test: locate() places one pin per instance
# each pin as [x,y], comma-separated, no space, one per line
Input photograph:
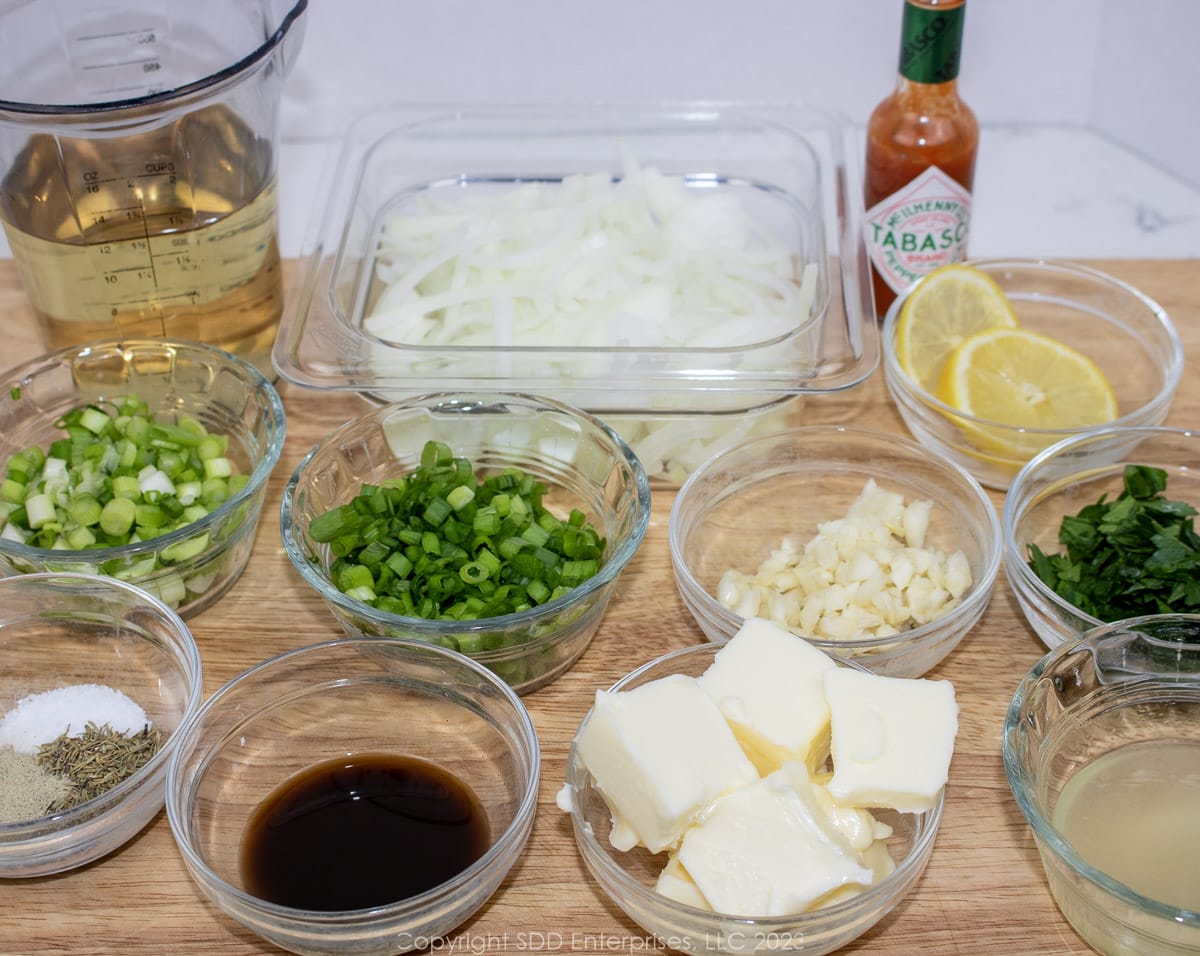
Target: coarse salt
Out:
[41,718]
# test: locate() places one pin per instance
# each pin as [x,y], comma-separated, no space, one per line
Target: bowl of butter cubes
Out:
[735,797]
[866,544]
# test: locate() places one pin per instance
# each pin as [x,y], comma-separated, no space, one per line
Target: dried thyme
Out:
[97,760]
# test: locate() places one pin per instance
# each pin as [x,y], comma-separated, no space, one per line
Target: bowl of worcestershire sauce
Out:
[362,795]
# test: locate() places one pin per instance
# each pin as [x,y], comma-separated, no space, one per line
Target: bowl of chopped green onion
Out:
[492,524]
[143,460]
[1101,527]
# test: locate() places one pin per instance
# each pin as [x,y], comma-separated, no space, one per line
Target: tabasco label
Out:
[919,227]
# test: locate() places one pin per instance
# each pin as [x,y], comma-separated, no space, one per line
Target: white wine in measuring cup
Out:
[137,166]
[169,232]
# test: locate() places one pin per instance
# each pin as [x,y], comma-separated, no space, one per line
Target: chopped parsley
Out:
[1136,554]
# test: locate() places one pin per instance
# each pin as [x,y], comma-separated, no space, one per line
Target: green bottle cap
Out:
[930,43]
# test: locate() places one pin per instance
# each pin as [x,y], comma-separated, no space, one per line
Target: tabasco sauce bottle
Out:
[921,145]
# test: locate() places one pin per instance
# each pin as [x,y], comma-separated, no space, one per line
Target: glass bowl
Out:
[628,878]
[175,378]
[583,462]
[1067,477]
[338,699]
[737,508]
[1127,684]
[1125,333]
[60,630]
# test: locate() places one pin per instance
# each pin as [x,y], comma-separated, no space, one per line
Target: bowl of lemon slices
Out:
[991,361]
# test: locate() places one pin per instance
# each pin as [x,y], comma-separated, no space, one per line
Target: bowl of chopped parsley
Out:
[492,524]
[144,460]
[1101,528]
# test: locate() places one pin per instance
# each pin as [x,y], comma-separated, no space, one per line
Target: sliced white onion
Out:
[656,263]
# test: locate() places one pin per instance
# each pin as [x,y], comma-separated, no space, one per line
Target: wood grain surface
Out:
[983,891]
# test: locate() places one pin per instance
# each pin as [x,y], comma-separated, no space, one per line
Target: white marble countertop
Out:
[1070,193]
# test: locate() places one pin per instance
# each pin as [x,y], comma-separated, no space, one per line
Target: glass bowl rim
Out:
[503,845]
[575,774]
[1043,829]
[1015,565]
[275,419]
[730,622]
[186,654]
[610,568]
[909,390]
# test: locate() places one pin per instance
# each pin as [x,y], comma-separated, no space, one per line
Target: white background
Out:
[1091,126]
[1089,108]
[1130,69]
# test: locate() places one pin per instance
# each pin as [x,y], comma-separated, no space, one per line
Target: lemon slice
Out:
[944,309]
[1025,380]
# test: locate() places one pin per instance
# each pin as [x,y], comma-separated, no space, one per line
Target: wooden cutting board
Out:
[983,891]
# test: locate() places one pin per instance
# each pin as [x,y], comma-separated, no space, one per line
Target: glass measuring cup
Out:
[137,166]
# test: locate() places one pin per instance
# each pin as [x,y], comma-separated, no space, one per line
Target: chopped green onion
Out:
[13,491]
[172,590]
[85,510]
[117,517]
[80,539]
[473,573]
[39,510]
[217,467]
[119,476]
[184,550]
[94,420]
[460,497]
[437,511]
[354,576]
[211,447]
[535,535]
[443,543]
[126,486]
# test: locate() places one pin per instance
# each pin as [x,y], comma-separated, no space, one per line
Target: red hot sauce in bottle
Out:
[920,164]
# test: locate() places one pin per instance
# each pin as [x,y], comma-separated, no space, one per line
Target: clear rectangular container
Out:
[480,225]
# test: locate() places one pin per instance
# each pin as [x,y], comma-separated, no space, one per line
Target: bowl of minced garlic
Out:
[865,544]
[95,675]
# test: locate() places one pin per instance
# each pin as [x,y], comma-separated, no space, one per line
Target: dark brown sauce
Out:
[362,831]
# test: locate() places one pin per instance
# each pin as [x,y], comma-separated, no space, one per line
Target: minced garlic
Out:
[866,575]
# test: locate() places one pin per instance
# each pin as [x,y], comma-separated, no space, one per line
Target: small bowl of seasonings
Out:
[363,795]
[95,678]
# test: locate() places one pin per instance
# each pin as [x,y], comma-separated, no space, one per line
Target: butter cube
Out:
[857,826]
[767,850]
[878,860]
[660,754]
[769,685]
[674,882]
[892,739]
